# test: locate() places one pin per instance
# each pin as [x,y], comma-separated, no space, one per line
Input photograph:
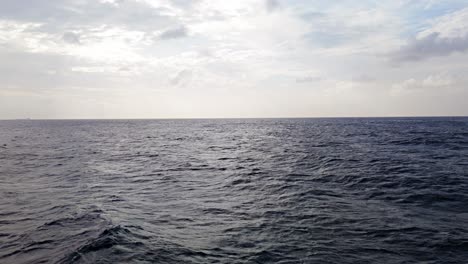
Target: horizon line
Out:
[216,118]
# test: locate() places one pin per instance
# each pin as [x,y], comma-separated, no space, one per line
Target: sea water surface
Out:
[390,190]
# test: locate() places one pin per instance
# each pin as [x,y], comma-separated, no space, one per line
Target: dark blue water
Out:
[234,191]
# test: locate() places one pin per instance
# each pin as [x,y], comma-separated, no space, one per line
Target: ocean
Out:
[344,190]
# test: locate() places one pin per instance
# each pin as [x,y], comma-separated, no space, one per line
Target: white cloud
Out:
[429,84]
[446,35]
[268,58]
[451,26]
[309,79]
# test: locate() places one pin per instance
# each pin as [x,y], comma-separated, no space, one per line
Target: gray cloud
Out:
[173,33]
[71,38]
[181,78]
[430,46]
[363,78]
[272,5]
[309,79]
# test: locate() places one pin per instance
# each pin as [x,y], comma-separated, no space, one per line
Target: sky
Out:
[228,59]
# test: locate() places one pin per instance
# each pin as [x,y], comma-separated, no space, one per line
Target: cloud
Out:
[363,78]
[430,83]
[309,79]
[272,5]
[317,57]
[186,4]
[326,39]
[349,30]
[312,15]
[182,78]
[174,33]
[69,15]
[430,46]
[446,35]
[71,38]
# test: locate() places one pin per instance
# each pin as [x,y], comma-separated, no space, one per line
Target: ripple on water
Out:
[234,191]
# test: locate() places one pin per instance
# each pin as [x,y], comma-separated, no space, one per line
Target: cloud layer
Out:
[246,58]
[447,34]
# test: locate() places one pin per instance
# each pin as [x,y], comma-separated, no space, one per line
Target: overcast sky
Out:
[243,58]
